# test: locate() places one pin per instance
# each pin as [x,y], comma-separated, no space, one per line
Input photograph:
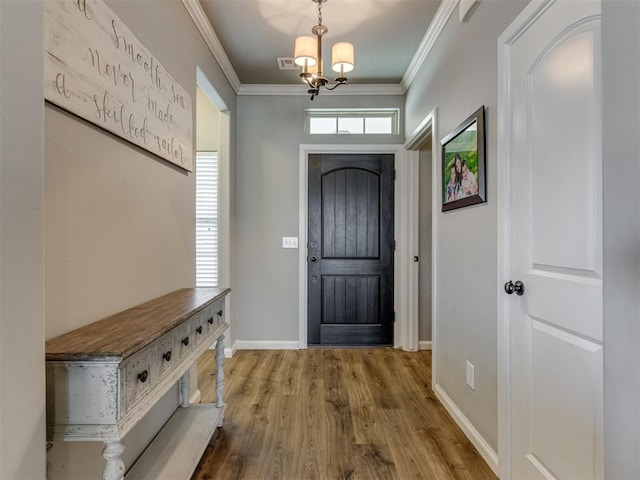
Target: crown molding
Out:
[446,9]
[199,17]
[300,89]
[209,35]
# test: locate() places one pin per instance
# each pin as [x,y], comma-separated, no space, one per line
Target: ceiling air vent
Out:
[286,63]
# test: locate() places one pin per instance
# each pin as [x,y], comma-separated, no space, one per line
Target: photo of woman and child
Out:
[462,181]
[463,164]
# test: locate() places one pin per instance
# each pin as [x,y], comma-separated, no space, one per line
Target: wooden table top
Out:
[123,334]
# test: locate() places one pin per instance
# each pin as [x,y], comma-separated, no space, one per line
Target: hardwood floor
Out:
[333,414]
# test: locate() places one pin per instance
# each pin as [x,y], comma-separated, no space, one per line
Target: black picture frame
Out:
[464,147]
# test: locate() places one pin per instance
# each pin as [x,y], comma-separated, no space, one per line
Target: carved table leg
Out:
[112,453]
[220,375]
[185,381]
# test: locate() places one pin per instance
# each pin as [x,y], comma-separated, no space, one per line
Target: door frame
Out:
[504,209]
[225,245]
[405,330]
[427,128]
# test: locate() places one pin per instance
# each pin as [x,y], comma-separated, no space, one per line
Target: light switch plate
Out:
[289,242]
[471,377]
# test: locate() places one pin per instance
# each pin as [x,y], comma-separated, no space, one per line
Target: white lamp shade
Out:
[305,51]
[342,57]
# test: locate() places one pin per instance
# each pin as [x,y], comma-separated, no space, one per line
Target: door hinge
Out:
[394,245]
[395,174]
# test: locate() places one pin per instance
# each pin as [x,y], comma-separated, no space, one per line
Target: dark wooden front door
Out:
[350,250]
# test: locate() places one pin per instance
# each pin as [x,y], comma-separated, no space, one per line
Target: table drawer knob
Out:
[199,329]
[167,356]
[143,376]
[219,313]
[210,321]
[185,341]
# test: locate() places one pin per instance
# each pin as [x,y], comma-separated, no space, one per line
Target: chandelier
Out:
[308,55]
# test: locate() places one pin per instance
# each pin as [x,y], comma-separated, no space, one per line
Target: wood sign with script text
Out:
[97,69]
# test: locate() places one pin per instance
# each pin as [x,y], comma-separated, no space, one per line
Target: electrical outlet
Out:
[289,242]
[471,376]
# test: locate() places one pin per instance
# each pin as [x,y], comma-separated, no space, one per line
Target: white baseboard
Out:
[228,352]
[266,345]
[424,345]
[195,397]
[485,450]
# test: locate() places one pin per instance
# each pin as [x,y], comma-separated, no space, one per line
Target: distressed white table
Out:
[104,377]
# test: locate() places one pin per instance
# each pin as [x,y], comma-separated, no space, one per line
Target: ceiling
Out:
[386,35]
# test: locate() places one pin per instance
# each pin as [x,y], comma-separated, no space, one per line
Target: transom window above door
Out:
[348,121]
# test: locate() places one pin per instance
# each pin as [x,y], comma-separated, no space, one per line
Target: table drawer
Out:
[183,340]
[198,328]
[214,315]
[165,355]
[138,376]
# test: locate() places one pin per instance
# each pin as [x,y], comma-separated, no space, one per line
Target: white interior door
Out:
[554,242]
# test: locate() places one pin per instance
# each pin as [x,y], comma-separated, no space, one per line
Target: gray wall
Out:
[458,77]
[120,223]
[22,398]
[425,183]
[271,129]
[621,164]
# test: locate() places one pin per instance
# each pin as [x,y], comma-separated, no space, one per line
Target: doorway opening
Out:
[422,199]
[213,135]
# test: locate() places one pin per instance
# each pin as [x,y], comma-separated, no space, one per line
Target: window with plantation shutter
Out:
[206,219]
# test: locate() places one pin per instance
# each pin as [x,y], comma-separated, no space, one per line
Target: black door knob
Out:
[517,287]
[314,259]
[508,287]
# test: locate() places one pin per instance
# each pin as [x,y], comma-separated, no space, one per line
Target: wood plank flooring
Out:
[333,414]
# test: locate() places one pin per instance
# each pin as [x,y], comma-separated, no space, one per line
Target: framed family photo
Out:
[463,164]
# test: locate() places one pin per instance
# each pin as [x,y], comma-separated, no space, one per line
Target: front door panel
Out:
[350,249]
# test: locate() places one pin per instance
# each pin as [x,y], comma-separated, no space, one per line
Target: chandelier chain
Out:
[319,13]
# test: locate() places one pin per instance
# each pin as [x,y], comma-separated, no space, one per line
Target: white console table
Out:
[104,377]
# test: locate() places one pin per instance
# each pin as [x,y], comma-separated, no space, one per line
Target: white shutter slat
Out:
[206,219]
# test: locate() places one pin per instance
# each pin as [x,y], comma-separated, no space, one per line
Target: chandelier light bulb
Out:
[314,68]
